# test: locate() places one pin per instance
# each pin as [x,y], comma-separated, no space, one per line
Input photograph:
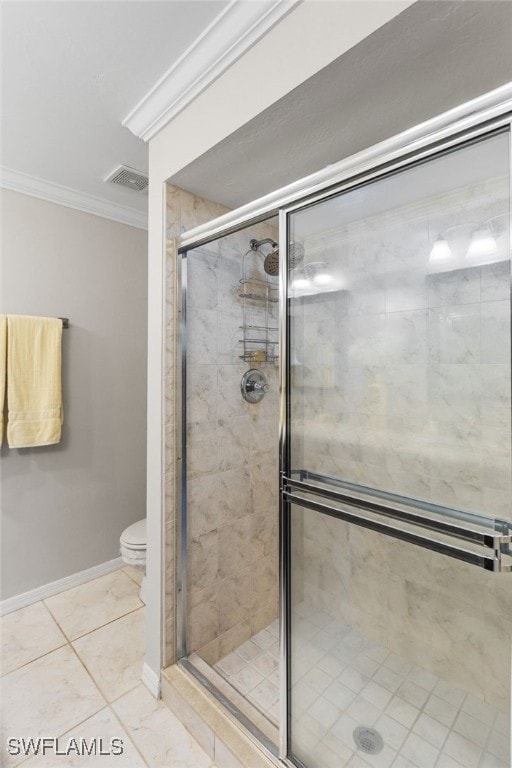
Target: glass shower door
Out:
[397,488]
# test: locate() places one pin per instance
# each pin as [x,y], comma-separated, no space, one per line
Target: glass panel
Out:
[232,486]
[399,656]
[400,385]
[400,333]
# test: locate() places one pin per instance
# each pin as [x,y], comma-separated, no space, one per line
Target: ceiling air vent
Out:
[129,178]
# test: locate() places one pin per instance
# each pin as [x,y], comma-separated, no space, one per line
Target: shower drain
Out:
[368,740]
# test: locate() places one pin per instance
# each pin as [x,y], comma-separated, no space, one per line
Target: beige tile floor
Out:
[71,668]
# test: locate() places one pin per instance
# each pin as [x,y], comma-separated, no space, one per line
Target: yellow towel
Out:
[3,371]
[34,389]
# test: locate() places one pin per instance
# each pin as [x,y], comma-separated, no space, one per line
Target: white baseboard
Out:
[151,680]
[54,587]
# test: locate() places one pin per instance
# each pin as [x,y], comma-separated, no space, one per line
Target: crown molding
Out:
[229,36]
[71,198]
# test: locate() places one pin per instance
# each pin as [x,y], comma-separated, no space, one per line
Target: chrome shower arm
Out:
[255,244]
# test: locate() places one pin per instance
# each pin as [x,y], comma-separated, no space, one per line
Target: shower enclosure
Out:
[394,488]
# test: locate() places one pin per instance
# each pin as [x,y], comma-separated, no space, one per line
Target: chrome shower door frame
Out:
[181,456]
[498,543]
[471,121]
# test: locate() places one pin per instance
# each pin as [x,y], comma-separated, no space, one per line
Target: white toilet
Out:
[132,545]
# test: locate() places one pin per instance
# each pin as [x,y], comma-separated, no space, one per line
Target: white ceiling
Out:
[72,71]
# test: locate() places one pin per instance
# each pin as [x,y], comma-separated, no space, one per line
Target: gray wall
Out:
[64,506]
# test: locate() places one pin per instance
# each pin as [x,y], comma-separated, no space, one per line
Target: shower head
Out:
[271,263]
[295,256]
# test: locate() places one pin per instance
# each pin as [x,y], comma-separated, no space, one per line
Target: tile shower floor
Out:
[343,680]
[253,669]
[71,668]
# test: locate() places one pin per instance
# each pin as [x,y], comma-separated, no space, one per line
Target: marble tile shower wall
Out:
[423,394]
[231,449]
[232,464]
[415,367]
[410,392]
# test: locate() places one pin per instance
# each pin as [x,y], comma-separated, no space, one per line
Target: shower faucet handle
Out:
[253,386]
[259,386]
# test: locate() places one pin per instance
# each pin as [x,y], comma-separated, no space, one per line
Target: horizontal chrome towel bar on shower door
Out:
[493,553]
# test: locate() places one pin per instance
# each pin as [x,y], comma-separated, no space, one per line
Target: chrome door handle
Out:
[492,547]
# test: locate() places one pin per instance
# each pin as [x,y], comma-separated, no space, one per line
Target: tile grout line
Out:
[56,621]
[71,640]
[102,626]
[108,708]
[114,701]
[67,641]
[130,577]
[90,673]
[92,714]
[70,644]
[125,728]
[37,658]
[106,704]
[52,619]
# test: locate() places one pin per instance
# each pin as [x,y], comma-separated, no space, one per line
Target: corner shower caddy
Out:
[260,297]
